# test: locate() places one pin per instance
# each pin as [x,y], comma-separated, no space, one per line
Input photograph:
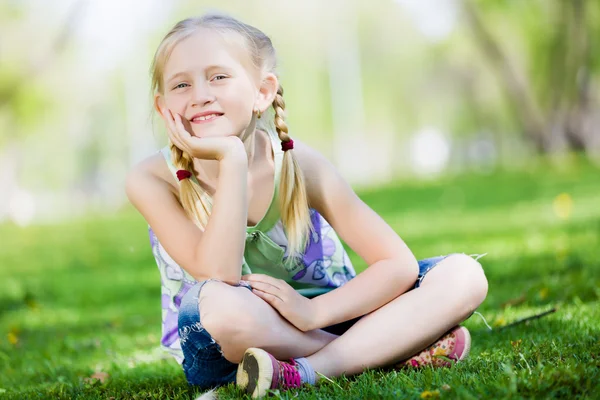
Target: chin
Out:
[205,133]
[210,135]
[212,131]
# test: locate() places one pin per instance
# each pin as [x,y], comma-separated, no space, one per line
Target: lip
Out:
[203,114]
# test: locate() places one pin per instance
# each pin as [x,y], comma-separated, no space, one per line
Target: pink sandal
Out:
[454,346]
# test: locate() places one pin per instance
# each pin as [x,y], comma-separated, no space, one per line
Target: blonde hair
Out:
[293,201]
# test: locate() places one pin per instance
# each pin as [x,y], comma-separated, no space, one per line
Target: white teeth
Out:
[205,117]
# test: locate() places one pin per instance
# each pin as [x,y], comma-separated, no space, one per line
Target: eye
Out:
[180,86]
[219,77]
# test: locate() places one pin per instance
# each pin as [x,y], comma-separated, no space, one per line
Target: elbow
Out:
[209,269]
[229,279]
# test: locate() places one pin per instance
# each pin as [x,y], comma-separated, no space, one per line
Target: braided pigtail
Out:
[293,200]
[192,196]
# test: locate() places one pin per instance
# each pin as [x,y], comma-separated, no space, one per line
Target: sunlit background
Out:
[405,89]
[468,125]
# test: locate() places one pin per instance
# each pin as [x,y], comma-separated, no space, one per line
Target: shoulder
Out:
[308,156]
[149,176]
[354,221]
[322,178]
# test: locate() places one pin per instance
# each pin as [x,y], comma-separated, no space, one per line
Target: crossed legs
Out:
[449,293]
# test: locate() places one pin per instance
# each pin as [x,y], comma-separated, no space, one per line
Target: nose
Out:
[202,94]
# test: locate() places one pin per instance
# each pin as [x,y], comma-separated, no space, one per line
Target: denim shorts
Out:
[204,364]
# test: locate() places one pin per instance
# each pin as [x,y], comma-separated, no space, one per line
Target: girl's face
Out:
[210,83]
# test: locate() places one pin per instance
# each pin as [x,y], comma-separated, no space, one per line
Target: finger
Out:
[169,120]
[248,277]
[265,287]
[175,140]
[164,114]
[172,125]
[187,126]
[183,133]
[268,297]
[264,278]
[169,124]
[172,132]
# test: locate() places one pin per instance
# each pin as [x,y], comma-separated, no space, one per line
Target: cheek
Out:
[240,101]
[239,116]
[175,103]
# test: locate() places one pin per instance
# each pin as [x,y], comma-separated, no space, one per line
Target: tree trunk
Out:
[523,104]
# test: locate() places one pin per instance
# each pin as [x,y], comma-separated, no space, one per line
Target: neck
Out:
[250,145]
[249,139]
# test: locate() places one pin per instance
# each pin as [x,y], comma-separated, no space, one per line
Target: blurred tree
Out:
[551,89]
[18,90]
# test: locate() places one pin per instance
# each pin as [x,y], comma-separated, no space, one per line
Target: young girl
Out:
[243,221]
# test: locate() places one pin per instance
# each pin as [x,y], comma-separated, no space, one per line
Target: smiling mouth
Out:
[205,118]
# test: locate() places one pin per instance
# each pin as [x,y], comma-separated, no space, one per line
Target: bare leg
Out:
[238,319]
[449,293]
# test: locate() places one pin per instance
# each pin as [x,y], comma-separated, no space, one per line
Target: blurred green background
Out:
[413,88]
[477,127]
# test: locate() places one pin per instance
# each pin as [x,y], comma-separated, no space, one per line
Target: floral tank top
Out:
[323,264]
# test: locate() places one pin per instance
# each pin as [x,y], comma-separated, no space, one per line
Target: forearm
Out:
[221,248]
[382,282]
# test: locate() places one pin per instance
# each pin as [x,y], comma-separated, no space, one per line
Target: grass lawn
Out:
[81,300]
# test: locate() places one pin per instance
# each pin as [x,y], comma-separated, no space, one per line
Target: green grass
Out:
[83,297]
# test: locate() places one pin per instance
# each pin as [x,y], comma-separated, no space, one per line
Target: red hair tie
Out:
[289,145]
[183,174]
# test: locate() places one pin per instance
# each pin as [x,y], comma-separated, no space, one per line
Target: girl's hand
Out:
[294,307]
[211,148]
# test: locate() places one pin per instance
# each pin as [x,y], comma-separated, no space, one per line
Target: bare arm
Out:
[392,269]
[221,247]
[217,251]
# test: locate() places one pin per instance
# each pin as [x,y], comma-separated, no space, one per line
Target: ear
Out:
[159,105]
[266,92]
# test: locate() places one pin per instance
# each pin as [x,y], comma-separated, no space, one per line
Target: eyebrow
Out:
[210,67]
[175,76]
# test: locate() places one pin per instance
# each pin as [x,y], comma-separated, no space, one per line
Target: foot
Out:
[452,347]
[259,372]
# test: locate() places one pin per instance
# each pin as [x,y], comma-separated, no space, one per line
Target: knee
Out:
[222,310]
[468,280]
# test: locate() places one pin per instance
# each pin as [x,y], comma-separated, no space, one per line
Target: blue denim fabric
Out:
[425,266]
[204,364]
